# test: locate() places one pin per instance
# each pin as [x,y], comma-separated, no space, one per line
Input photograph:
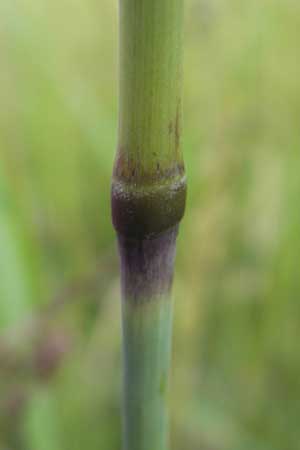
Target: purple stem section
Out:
[147,266]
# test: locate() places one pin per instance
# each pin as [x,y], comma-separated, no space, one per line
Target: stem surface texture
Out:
[148,201]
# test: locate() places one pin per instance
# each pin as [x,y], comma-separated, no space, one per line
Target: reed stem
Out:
[148,201]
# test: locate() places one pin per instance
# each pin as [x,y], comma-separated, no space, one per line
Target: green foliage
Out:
[14,277]
[235,360]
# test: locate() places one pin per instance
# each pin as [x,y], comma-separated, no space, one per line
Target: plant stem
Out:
[147,268]
[148,200]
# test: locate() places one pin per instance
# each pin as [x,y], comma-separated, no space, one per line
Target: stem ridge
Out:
[148,197]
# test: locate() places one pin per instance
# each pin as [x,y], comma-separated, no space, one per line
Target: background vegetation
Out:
[235,378]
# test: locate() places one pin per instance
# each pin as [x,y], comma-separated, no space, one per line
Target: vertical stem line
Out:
[150,81]
[148,201]
[147,270]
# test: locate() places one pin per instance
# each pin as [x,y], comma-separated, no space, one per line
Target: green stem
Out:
[147,337]
[148,200]
[147,270]
[150,83]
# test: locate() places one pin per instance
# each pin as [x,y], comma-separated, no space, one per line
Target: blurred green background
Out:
[236,367]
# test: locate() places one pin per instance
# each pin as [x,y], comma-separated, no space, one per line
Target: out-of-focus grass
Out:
[235,381]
